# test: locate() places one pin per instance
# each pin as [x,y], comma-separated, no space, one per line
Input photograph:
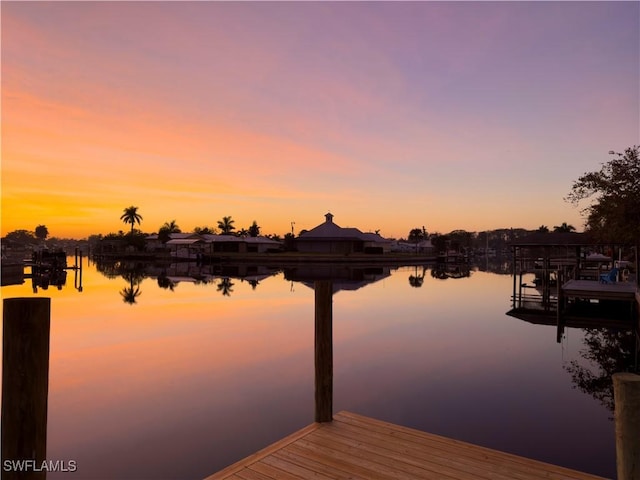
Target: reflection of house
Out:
[424,246]
[331,238]
[343,277]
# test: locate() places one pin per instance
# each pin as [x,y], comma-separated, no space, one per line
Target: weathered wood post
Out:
[324,350]
[25,385]
[626,393]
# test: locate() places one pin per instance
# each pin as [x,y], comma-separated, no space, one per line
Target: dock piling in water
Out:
[25,383]
[626,389]
[324,350]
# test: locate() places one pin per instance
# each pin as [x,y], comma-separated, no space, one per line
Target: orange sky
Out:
[391,116]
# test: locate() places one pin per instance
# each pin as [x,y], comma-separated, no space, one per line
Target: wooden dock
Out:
[361,448]
[624,291]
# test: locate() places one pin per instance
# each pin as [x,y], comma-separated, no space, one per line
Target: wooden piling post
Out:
[626,393]
[25,384]
[324,350]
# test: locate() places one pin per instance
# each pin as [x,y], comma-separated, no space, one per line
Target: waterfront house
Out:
[215,244]
[329,237]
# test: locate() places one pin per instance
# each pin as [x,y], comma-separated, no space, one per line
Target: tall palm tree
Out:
[131,216]
[226,225]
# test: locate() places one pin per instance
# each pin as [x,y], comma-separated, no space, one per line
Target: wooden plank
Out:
[355,447]
[441,461]
[456,447]
[597,290]
[320,462]
[247,474]
[231,469]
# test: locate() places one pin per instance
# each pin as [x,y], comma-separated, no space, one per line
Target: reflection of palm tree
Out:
[225,286]
[610,351]
[418,279]
[129,294]
[131,216]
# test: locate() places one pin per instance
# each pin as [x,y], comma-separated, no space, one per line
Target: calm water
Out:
[197,375]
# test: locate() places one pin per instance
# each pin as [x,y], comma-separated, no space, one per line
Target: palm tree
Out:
[226,225]
[171,227]
[564,228]
[131,216]
[416,235]
[254,229]
[165,231]
[543,229]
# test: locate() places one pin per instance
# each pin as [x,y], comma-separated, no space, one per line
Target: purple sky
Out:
[391,115]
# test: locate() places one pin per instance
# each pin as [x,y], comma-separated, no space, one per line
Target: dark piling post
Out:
[25,384]
[324,350]
[626,392]
[559,306]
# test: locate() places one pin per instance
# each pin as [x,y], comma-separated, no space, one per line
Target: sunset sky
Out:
[391,115]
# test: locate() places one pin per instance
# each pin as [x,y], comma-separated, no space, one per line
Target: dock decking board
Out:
[360,448]
[602,291]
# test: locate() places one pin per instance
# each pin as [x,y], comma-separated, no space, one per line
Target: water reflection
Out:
[606,351]
[202,379]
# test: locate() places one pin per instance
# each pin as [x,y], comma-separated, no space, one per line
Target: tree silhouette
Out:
[543,229]
[41,232]
[564,228]
[165,231]
[418,279]
[614,215]
[165,282]
[254,229]
[225,286]
[609,351]
[204,230]
[226,225]
[130,294]
[134,277]
[131,216]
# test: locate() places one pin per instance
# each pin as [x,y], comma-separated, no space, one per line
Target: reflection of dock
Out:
[353,446]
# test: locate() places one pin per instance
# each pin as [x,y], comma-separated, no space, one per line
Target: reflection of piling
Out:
[560,305]
[25,383]
[324,350]
[626,390]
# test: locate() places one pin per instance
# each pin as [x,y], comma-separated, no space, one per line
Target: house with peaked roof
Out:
[329,237]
